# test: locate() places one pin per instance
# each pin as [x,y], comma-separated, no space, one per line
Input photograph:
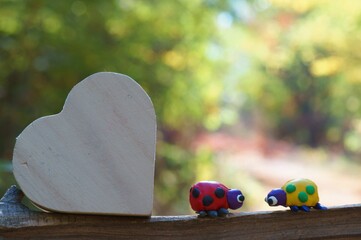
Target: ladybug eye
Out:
[272,201]
[240,198]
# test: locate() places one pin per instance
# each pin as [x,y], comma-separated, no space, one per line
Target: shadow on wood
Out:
[17,221]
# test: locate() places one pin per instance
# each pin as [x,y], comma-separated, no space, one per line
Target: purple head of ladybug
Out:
[276,197]
[213,198]
[235,198]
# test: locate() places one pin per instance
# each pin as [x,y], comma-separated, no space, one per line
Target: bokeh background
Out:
[248,93]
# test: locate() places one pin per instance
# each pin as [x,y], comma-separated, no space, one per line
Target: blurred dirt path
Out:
[338,185]
[263,165]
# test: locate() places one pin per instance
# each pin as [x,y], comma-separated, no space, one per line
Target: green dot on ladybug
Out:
[290,188]
[302,196]
[310,189]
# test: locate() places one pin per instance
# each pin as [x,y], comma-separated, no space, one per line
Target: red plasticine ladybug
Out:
[213,198]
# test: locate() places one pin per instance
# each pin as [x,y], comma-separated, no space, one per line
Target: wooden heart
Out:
[97,155]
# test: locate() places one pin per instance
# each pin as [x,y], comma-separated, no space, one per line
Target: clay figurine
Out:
[213,198]
[298,194]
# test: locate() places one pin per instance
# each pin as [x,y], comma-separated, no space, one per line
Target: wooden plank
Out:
[341,222]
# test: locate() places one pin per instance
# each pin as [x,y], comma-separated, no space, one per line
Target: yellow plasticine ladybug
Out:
[298,194]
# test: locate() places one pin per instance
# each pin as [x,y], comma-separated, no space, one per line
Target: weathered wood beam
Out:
[17,221]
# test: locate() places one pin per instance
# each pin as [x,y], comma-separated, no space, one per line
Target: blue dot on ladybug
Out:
[214,199]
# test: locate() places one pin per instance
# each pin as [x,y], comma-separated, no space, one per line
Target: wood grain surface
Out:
[97,155]
[17,222]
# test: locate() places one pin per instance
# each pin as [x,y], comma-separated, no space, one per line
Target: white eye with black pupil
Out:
[240,198]
[272,201]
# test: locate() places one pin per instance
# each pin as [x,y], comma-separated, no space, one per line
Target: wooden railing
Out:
[18,222]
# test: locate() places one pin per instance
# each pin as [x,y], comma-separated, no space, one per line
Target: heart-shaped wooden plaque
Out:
[97,155]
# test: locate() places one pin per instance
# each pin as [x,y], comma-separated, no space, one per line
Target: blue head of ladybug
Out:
[276,197]
[235,198]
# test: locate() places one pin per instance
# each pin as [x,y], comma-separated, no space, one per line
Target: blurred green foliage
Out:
[288,67]
[46,47]
[304,75]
